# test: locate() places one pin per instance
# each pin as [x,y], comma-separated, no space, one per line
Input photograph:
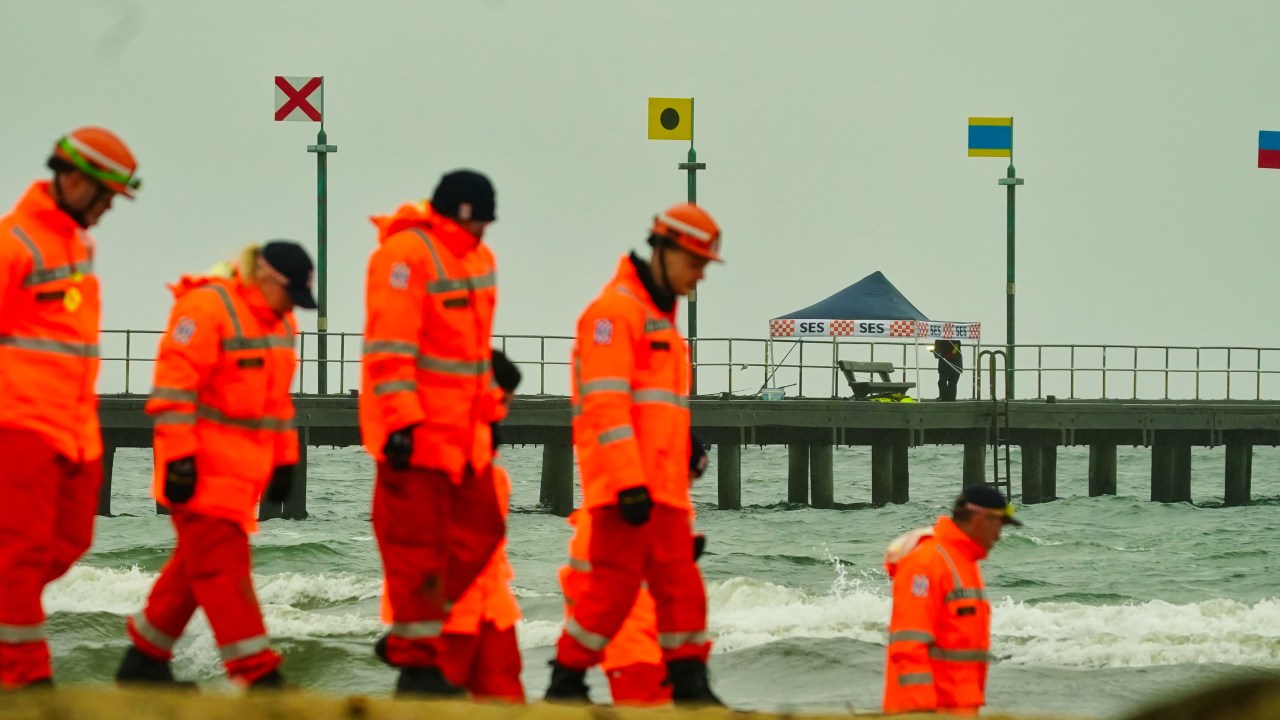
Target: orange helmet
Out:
[102,156]
[691,228]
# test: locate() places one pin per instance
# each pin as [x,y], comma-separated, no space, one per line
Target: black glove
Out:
[505,372]
[281,484]
[699,544]
[180,479]
[697,455]
[399,448]
[635,505]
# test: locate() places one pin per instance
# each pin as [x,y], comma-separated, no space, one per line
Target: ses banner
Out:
[932,330]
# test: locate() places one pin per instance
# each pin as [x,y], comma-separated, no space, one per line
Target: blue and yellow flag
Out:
[670,118]
[990,137]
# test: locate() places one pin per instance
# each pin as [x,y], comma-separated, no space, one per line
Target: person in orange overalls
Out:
[631,433]
[632,661]
[49,434]
[940,632]
[224,434]
[480,650]
[427,401]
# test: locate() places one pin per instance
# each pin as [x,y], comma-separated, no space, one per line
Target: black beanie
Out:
[464,195]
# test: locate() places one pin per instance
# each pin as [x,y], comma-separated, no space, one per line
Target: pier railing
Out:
[807,367]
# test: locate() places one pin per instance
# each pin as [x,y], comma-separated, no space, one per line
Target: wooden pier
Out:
[813,428]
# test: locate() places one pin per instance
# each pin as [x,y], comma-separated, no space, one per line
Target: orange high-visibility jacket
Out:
[221,393]
[940,632]
[489,597]
[630,396]
[637,640]
[430,297]
[49,317]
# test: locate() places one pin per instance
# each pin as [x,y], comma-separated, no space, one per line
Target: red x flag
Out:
[297,98]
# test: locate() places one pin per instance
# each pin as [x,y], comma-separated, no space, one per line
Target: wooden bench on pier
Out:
[871,389]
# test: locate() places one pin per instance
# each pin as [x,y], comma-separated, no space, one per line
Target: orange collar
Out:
[37,203]
[422,215]
[627,277]
[947,532]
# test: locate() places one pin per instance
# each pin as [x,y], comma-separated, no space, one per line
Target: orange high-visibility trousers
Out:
[52,526]
[435,537]
[210,568]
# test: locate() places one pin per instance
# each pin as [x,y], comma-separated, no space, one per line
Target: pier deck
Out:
[812,428]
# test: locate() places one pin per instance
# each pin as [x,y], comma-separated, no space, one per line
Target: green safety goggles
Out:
[100,174]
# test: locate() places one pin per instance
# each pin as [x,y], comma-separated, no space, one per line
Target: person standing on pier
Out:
[224,434]
[427,400]
[940,631]
[49,434]
[950,365]
[631,432]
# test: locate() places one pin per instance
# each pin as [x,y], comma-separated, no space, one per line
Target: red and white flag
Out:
[299,98]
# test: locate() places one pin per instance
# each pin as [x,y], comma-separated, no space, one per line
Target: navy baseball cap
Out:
[291,260]
[985,496]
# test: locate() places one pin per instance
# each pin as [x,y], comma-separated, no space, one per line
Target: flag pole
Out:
[1011,181]
[322,149]
[692,167]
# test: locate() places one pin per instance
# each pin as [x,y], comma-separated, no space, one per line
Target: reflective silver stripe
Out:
[589,640]
[151,633]
[911,636]
[652,325]
[431,248]
[244,648]
[453,367]
[960,592]
[604,385]
[579,565]
[663,397]
[231,309]
[478,282]
[175,394]
[937,653]
[267,342]
[622,432]
[395,386]
[37,277]
[176,418]
[37,259]
[21,633]
[684,227]
[418,629]
[966,594]
[673,640]
[98,158]
[391,347]
[59,347]
[204,412]
[915,679]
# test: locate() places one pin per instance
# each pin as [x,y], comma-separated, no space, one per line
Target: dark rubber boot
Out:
[269,682]
[567,684]
[689,684]
[138,668]
[425,682]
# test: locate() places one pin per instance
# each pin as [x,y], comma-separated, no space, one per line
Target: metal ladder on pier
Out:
[998,432]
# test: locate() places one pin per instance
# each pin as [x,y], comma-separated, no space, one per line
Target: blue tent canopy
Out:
[871,298]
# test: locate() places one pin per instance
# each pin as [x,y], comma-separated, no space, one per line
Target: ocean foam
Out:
[746,613]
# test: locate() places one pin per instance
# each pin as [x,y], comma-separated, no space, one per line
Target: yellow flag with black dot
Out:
[671,118]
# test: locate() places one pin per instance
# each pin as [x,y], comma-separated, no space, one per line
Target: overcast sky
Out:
[835,135]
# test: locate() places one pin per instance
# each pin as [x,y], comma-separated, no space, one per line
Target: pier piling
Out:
[975,463]
[1032,475]
[1239,469]
[557,471]
[108,469]
[901,492]
[881,474]
[1102,469]
[729,475]
[798,474]
[822,475]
